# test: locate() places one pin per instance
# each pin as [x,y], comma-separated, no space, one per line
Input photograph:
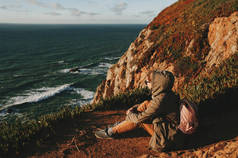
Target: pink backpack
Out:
[188,116]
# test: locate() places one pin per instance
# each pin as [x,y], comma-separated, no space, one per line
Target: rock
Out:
[144,156]
[199,153]
[76,69]
[129,73]
[222,37]
[205,155]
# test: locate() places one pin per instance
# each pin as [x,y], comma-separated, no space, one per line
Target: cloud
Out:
[38,3]
[76,12]
[53,13]
[13,7]
[3,7]
[58,6]
[93,14]
[148,13]
[119,8]
[46,5]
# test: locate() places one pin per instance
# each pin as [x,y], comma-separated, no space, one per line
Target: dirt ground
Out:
[79,141]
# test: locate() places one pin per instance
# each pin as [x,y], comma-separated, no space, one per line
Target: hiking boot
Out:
[103,134]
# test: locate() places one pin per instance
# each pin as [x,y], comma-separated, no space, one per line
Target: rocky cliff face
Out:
[223,39]
[183,45]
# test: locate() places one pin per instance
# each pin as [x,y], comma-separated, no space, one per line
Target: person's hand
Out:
[143,106]
[133,107]
[127,112]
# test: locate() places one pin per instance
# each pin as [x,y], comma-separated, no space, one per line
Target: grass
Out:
[216,82]
[171,31]
[18,136]
[177,25]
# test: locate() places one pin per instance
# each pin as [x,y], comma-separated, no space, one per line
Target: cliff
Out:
[191,38]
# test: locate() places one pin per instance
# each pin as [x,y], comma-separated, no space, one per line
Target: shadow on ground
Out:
[218,120]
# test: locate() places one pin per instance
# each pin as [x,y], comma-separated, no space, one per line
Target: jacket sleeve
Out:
[149,113]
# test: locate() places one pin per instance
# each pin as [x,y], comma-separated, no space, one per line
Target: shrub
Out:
[209,86]
[124,100]
[17,136]
[154,27]
[186,66]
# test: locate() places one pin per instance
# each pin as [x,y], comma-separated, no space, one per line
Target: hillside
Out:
[195,39]
[191,38]
[82,143]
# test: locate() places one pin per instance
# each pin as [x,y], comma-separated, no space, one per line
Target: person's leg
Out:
[123,127]
[111,132]
[148,128]
[126,126]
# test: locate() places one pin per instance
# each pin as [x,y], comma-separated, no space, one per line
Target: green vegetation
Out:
[154,27]
[186,66]
[18,136]
[216,83]
[15,137]
[123,101]
[176,26]
[172,32]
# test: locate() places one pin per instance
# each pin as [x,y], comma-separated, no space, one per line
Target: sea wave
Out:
[105,65]
[65,71]
[61,62]
[36,95]
[100,69]
[112,58]
[87,96]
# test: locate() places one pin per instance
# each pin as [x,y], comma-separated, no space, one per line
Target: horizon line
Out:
[73,24]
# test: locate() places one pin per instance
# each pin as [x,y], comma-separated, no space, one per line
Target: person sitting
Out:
[158,116]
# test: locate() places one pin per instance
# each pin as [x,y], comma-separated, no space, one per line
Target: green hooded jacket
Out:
[163,112]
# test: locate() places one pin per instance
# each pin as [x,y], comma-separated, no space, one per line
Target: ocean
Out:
[46,67]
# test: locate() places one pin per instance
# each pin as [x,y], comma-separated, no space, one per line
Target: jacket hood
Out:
[162,81]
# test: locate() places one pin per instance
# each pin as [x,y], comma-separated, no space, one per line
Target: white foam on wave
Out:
[36,95]
[112,58]
[93,71]
[105,65]
[87,96]
[61,62]
[97,70]
[16,75]
[65,71]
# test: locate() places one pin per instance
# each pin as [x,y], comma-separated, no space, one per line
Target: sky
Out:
[81,11]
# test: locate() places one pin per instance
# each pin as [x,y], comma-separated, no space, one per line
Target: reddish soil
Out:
[79,141]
